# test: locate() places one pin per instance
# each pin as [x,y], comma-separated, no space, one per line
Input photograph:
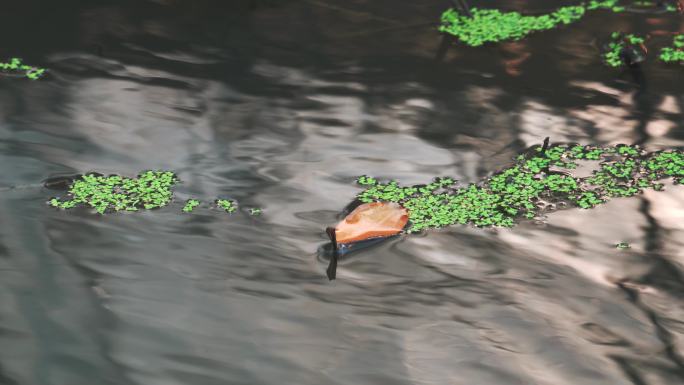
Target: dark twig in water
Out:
[463,6]
[443,48]
[332,267]
[62,182]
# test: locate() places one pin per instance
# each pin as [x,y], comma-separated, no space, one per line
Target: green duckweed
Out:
[15,65]
[675,53]
[536,178]
[150,190]
[366,180]
[493,25]
[226,204]
[114,193]
[190,205]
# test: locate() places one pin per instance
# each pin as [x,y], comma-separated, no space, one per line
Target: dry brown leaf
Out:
[372,220]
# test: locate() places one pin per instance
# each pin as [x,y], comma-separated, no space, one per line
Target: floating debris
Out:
[60,182]
[622,245]
[675,53]
[150,190]
[255,211]
[539,176]
[368,224]
[16,67]
[228,205]
[190,205]
[624,49]
[371,220]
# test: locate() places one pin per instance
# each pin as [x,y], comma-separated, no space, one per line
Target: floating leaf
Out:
[372,220]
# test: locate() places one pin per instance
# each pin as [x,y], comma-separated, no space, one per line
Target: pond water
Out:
[281,105]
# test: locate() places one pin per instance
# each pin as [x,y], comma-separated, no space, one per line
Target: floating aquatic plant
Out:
[366,180]
[151,189]
[227,205]
[675,53]
[493,25]
[605,4]
[15,66]
[624,47]
[541,176]
[190,205]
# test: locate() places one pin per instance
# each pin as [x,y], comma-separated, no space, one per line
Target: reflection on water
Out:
[280,105]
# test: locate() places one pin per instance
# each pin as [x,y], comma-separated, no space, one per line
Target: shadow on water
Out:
[281,105]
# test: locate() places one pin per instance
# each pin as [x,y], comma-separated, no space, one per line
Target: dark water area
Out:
[281,105]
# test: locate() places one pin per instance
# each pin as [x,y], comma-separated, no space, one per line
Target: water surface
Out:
[280,105]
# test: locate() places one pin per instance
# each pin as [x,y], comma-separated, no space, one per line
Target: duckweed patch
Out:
[536,179]
[493,25]
[622,48]
[114,193]
[190,205]
[15,66]
[150,190]
[366,180]
[675,53]
[226,204]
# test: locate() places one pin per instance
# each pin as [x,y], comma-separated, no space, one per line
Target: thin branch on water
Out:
[463,6]
[331,271]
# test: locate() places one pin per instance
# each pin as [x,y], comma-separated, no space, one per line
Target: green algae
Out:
[618,44]
[190,205]
[15,65]
[675,53]
[150,190]
[226,204]
[493,25]
[522,190]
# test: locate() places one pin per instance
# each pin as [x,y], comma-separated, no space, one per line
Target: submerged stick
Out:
[463,6]
[331,271]
[443,48]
